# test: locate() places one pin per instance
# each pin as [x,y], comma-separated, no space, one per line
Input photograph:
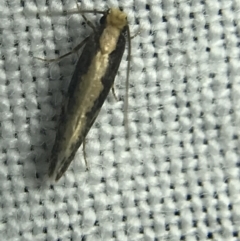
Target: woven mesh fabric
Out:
[179,180]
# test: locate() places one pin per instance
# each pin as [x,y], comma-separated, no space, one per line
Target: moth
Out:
[90,84]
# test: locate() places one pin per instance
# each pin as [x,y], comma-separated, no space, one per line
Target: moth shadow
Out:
[50,97]
[51,87]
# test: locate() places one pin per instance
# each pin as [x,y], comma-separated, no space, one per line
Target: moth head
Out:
[115,17]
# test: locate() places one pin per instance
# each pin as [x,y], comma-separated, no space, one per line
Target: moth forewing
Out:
[90,84]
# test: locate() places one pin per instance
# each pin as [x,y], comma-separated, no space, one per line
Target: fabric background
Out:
[180,180]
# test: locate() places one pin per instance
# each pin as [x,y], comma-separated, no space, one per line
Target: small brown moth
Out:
[91,82]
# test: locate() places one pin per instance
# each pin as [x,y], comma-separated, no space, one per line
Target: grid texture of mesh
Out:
[180,180]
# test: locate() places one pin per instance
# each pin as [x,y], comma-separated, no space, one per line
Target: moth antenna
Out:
[127,84]
[87,11]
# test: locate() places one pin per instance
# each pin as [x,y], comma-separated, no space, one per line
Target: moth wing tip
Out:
[52,175]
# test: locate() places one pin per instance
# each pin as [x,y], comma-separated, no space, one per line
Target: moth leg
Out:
[114,93]
[85,155]
[89,23]
[67,54]
[138,32]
